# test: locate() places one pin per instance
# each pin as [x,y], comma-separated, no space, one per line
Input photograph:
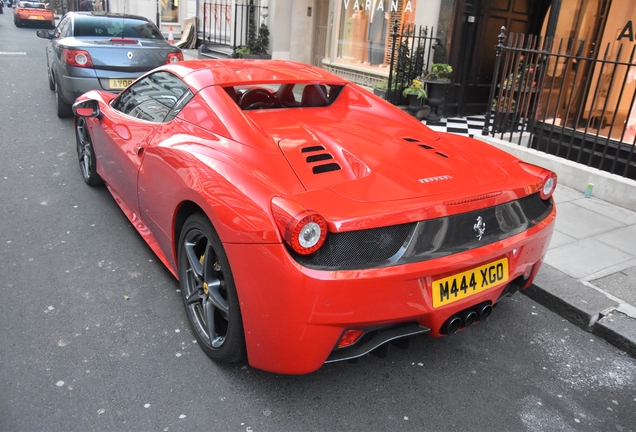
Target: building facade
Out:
[353,37]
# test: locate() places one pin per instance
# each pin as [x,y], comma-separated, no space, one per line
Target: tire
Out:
[64,110]
[85,154]
[209,293]
[50,78]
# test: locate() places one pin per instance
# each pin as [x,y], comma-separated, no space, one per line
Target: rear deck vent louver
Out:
[411,139]
[427,147]
[319,169]
[322,156]
[312,149]
[319,157]
[442,154]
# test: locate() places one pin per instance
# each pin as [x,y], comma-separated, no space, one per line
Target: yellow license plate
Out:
[119,83]
[36,17]
[462,285]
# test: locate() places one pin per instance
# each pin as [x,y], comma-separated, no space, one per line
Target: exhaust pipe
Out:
[468,317]
[451,325]
[483,311]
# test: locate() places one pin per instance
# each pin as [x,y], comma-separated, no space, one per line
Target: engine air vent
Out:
[411,139]
[442,154]
[427,147]
[319,157]
[312,149]
[319,169]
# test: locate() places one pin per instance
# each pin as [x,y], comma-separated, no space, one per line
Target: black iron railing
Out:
[217,22]
[572,99]
[411,52]
[233,24]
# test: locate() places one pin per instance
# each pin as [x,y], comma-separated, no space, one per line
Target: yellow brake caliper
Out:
[205,284]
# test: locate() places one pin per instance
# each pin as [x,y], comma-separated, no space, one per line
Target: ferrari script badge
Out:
[480,227]
[129,55]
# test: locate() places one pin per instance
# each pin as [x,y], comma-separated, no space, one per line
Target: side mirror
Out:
[45,34]
[87,108]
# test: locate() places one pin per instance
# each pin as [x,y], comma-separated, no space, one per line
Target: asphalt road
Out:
[93,333]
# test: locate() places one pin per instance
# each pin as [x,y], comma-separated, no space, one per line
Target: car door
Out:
[128,129]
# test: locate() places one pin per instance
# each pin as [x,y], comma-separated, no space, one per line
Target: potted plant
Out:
[257,42]
[504,117]
[439,72]
[437,80]
[415,94]
[380,88]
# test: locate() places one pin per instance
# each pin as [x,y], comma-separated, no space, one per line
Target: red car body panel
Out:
[231,163]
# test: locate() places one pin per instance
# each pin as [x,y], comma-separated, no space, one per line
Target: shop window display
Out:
[608,96]
[365,27]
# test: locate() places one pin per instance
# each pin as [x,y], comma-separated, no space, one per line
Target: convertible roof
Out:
[228,72]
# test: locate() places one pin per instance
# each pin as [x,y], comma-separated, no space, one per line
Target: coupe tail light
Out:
[548,179]
[303,230]
[174,57]
[548,186]
[77,58]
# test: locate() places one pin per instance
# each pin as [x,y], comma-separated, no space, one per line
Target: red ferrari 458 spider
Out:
[307,220]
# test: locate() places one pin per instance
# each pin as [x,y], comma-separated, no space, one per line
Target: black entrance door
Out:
[476,25]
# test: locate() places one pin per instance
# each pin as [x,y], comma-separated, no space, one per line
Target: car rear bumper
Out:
[73,87]
[294,317]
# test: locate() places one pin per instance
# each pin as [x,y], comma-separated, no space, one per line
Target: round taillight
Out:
[308,234]
[548,186]
[174,57]
[81,59]
[77,58]
[303,230]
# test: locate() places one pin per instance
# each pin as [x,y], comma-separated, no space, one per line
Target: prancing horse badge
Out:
[480,227]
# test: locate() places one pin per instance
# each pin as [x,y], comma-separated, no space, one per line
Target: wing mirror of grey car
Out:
[87,108]
[45,34]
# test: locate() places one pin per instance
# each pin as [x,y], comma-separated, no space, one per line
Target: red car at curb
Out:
[33,13]
[307,220]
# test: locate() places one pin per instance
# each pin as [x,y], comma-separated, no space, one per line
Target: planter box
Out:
[380,92]
[254,56]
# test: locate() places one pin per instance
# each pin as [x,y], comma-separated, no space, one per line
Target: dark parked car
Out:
[101,51]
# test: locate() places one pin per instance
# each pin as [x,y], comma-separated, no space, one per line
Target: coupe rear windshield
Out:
[32,5]
[287,95]
[115,27]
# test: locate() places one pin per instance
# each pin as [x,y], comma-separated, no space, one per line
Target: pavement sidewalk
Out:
[589,273]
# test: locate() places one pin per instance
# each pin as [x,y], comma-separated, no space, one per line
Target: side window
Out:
[63,28]
[153,97]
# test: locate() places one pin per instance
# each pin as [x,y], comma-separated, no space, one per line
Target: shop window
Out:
[365,27]
[170,11]
[602,83]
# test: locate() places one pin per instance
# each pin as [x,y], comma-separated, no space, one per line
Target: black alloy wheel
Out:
[209,293]
[85,154]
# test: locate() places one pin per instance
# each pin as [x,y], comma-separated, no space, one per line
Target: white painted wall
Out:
[279,22]
[427,13]
[301,31]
